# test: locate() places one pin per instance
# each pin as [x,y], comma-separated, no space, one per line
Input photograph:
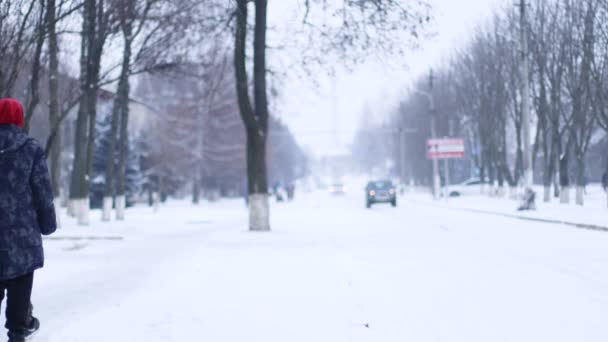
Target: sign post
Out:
[445,149]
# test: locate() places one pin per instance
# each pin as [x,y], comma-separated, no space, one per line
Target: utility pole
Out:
[436,178]
[525,98]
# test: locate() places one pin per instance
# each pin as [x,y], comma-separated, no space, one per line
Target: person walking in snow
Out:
[291,191]
[26,213]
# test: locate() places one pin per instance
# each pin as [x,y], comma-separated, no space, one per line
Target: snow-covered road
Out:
[330,271]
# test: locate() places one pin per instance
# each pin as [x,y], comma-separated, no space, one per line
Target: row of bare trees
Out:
[35,35]
[200,143]
[161,35]
[477,96]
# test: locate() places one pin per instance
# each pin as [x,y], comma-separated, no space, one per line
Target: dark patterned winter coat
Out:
[26,203]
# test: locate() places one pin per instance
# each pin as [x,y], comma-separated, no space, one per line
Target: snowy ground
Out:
[331,271]
[593,213]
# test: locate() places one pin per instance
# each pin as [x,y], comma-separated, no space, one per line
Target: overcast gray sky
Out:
[308,111]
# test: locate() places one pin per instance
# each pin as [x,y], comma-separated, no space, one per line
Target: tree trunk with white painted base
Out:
[53,102]
[255,120]
[580,195]
[259,212]
[564,179]
[107,209]
[258,185]
[564,196]
[110,172]
[549,166]
[82,212]
[580,180]
[547,193]
[121,205]
[71,209]
[94,34]
[126,14]
[155,201]
[513,192]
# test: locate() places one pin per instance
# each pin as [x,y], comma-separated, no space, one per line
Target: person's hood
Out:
[11,112]
[12,138]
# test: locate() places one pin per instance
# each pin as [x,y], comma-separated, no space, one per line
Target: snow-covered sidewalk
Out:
[331,271]
[593,215]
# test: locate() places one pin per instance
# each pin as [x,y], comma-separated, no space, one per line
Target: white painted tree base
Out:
[580,195]
[547,194]
[106,214]
[564,197]
[156,201]
[121,205]
[513,194]
[501,192]
[82,211]
[72,204]
[259,213]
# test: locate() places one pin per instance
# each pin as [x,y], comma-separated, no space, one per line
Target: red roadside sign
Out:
[445,148]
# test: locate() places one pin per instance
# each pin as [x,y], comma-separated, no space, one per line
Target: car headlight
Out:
[372,193]
[391,191]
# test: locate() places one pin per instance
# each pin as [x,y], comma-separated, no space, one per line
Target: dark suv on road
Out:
[382,191]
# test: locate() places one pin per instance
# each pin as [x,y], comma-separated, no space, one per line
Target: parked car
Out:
[382,191]
[466,188]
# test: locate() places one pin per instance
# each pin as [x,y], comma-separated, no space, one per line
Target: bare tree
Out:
[580,39]
[569,44]
[53,52]
[55,13]
[126,17]
[254,118]
[33,95]
[150,30]
[19,30]
[363,29]
[96,27]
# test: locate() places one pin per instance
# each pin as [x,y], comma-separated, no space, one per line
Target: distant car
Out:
[382,191]
[337,189]
[466,188]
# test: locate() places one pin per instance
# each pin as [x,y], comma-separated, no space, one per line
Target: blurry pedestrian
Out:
[291,190]
[276,187]
[279,196]
[529,201]
[26,212]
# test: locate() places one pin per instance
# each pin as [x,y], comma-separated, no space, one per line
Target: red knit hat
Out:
[11,112]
